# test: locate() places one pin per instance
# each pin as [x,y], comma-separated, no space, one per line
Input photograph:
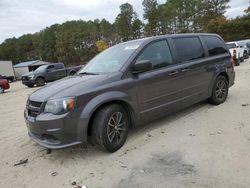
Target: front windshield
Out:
[112,59]
[41,68]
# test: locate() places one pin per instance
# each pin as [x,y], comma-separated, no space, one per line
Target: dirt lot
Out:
[202,146]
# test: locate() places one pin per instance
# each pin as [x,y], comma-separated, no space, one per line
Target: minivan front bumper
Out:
[53,131]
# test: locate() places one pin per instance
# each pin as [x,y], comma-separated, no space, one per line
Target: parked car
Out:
[4,85]
[236,51]
[8,78]
[128,85]
[47,73]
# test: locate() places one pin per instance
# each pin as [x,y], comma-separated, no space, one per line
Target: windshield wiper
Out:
[87,73]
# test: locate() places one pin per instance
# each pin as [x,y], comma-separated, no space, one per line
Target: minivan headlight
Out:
[60,106]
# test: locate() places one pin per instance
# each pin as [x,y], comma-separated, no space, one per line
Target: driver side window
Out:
[158,53]
[50,68]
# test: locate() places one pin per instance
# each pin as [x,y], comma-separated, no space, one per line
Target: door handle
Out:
[173,73]
[185,70]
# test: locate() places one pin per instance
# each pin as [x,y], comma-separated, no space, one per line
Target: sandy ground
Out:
[202,146]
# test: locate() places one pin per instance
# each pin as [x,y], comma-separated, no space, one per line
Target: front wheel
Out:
[40,82]
[110,127]
[220,91]
[30,85]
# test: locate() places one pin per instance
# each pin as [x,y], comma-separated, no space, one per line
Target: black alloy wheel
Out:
[116,128]
[220,91]
[110,127]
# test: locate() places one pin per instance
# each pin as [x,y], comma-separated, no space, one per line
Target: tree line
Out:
[75,42]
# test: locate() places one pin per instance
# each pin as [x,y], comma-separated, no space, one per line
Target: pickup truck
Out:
[48,73]
[236,52]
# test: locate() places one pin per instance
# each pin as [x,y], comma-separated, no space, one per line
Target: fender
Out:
[40,76]
[94,104]
[219,70]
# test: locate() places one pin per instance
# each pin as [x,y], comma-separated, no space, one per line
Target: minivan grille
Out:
[34,108]
[35,104]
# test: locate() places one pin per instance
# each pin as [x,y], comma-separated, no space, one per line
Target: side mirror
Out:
[141,66]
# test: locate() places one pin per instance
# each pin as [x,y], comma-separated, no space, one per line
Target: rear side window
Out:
[231,45]
[215,45]
[158,53]
[59,66]
[188,48]
[51,67]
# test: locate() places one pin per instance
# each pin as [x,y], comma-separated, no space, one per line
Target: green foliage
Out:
[75,42]
[231,30]
[152,14]
[72,43]
[124,22]
[137,27]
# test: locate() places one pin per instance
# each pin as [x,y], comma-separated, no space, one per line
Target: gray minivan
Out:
[128,85]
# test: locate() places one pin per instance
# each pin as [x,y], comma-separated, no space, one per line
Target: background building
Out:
[6,68]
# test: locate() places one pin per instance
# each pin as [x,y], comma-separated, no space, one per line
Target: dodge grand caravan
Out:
[127,85]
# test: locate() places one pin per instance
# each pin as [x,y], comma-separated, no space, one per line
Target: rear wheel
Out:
[1,90]
[246,55]
[220,91]
[237,62]
[72,73]
[40,82]
[110,127]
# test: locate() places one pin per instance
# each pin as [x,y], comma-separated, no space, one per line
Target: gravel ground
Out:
[201,146]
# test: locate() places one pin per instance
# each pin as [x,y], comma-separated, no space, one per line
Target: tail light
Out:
[232,62]
[234,53]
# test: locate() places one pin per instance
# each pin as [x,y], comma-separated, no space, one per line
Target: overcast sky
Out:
[18,17]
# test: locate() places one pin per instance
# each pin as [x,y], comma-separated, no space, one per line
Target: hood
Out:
[70,86]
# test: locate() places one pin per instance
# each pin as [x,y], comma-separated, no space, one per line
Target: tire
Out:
[237,62]
[110,127]
[246,56]
[72,73]
[40,82]
[30,85]
[242,59]
[1,90]
[220,91]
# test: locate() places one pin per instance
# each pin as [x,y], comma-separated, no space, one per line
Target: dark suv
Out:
[127,85]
